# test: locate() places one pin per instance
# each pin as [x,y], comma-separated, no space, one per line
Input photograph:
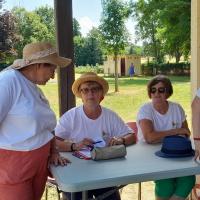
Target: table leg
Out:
[72,195]
[85,195]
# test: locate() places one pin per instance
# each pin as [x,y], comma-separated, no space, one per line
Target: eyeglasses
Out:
[160,90]
[92,90]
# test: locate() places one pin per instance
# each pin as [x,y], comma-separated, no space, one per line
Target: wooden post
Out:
[64,33]
[195,46]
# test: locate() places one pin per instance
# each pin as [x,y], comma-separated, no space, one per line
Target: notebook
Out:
[83,154]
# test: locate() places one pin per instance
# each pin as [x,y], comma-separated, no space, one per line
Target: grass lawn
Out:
[132,94]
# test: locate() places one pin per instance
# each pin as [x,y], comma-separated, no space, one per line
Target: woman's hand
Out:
[83,144]
[197,149]
[183,131]
[116,141]
[56,159]
[197,156]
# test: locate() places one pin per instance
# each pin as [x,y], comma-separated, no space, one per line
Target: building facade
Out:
[123,64]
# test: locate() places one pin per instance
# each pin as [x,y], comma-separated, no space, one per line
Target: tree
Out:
[133,49]
[175,15]
[93,49]
[87,49]
[46,14]
[30,28]
[79,55]
[76,28]
[164,26]
[147,17]
[7,35]
[114,33]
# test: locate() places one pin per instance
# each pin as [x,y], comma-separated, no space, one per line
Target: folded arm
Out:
[67,145]
[151,136]
[127,139]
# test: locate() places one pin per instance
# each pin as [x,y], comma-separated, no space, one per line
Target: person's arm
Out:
[63,145]
[55,157]
[122,133]
[196,124]
[63,130]
[67,145]
[151,136]
[127,140]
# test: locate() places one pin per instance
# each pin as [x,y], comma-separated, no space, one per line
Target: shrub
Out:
[166,68]
[84,69]
[3,66]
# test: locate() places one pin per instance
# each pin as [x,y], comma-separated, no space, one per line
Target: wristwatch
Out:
[72,146]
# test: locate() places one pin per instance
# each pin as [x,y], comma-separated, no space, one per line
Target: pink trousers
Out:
[23,174]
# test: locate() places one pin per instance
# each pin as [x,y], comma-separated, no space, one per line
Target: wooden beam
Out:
[64,33]
[195,45]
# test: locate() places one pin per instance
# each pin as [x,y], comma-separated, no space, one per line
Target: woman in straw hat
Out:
[27,123]
[158,119]
[90,122]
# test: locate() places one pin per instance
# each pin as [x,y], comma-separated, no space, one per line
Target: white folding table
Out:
[140,164]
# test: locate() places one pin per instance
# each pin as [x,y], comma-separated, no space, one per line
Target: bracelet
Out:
[195,138]
[72,146]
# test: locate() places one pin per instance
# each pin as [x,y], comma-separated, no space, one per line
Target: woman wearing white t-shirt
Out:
[90,122]
[160,118]
[27,123]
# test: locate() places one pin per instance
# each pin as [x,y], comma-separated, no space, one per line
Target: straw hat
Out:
[40,52]
[17,63]
[89,76]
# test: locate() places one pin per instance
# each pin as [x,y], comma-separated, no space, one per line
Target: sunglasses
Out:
[92,90]
[160,90]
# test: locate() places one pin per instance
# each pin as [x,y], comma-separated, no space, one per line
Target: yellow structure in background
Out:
[123,64]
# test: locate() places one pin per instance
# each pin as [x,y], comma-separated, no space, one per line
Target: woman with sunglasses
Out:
[160,118]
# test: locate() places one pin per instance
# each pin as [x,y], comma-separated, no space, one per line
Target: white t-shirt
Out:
[74,125]
[26,120]
[172,119]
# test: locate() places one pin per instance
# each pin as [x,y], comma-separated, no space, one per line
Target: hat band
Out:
[167,151]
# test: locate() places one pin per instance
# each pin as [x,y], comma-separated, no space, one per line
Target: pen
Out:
[97,142]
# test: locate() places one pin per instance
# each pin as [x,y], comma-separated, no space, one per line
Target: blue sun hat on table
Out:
[175,147]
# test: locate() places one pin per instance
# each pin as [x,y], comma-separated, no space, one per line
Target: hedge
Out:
[166,68]
[3,66]
[83,69]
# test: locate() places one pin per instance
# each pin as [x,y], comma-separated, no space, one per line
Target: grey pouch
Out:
[104,153]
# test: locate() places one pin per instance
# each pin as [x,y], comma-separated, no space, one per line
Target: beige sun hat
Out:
[16,65]
[40,52]
[89,76]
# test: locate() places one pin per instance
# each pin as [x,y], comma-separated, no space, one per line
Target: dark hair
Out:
[163,79]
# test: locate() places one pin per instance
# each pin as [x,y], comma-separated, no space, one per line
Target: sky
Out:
[87,12]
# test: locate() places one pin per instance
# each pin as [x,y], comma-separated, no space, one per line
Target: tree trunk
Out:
[154,43]
[116,74]
[177,56]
